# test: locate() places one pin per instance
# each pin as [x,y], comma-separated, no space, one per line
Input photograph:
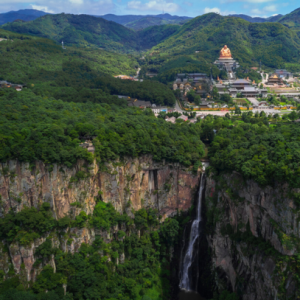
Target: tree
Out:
[191,95]
[226,98]
[197,100]
[215,93]
[237,110]
[262,114]
[293,116]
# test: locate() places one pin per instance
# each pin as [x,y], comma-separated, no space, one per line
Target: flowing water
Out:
[185,281]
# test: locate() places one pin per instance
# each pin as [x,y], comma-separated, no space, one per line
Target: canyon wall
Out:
[254,236]
[129,185]
[132,183]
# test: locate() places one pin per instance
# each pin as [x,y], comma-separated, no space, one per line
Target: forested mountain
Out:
[257,19]
[138,22]
[44,54]
[80,30]
[272,43]
[292,20]
[22,14]
[146,22]
[89,31]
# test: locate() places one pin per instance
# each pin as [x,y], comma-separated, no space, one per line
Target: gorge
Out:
[252,233]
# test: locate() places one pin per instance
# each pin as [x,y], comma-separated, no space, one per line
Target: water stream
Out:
[185,280]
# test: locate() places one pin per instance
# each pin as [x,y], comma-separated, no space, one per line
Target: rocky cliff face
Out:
[253,233]
[133,183]
[130,184]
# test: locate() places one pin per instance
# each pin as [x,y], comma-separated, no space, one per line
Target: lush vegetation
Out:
[94,272]
[23,59]
[263,152]
[95,32]
[79,30]
[35,128]
[201,39]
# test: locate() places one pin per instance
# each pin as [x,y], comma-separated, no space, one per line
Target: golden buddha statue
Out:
[225,52]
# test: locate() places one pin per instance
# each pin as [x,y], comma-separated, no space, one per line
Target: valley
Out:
[149,157]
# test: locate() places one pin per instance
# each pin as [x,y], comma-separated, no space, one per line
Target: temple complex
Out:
[274,79]
[226,61]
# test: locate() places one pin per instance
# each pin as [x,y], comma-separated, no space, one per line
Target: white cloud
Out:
[77,2]
[248,1]
[263,11]
[218,11]
[153,5]
[209,10]
[42,8]
[270,8]
[187,3]
[94,7]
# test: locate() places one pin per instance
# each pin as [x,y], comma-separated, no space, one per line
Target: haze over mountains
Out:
[139,22]
[22,14]
[273,43]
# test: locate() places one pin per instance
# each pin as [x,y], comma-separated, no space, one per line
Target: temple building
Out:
[226,62]
[284,74]
[274,79]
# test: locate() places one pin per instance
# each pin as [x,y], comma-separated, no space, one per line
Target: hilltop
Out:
[95,32]
[292,20]
[22,14]
[272,43]
[80,30]
[138,22]
[44,54]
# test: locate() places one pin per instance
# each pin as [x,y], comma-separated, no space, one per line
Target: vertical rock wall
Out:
[133,183]
[130,184]
[254,235]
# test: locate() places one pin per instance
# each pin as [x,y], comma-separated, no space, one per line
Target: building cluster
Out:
[5,84]
[284,74]
[192,81]
[182,117]
[244,87]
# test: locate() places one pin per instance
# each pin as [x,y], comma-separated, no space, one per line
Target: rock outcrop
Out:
[132,183]
[253,233]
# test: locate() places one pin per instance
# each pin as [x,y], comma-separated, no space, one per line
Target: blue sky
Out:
[192,8]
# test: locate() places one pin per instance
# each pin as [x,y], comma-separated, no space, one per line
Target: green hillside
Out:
[21,59]
[146,22]
[292,21]
[152,21]
[93,32]
[80,30]
[154,35]
[272,43]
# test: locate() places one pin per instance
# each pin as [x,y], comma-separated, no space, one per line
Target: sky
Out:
[191,8]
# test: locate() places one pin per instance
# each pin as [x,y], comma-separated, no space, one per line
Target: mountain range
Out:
[257,19]
[22,14]
[139,22]
[90,31]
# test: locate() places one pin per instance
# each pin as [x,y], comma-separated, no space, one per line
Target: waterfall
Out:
[185,281]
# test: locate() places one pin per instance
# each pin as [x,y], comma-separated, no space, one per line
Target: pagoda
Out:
[274,79]
[226,61]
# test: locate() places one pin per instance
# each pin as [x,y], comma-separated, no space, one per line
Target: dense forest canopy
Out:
[23,56]
[259,151]
[35,128]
